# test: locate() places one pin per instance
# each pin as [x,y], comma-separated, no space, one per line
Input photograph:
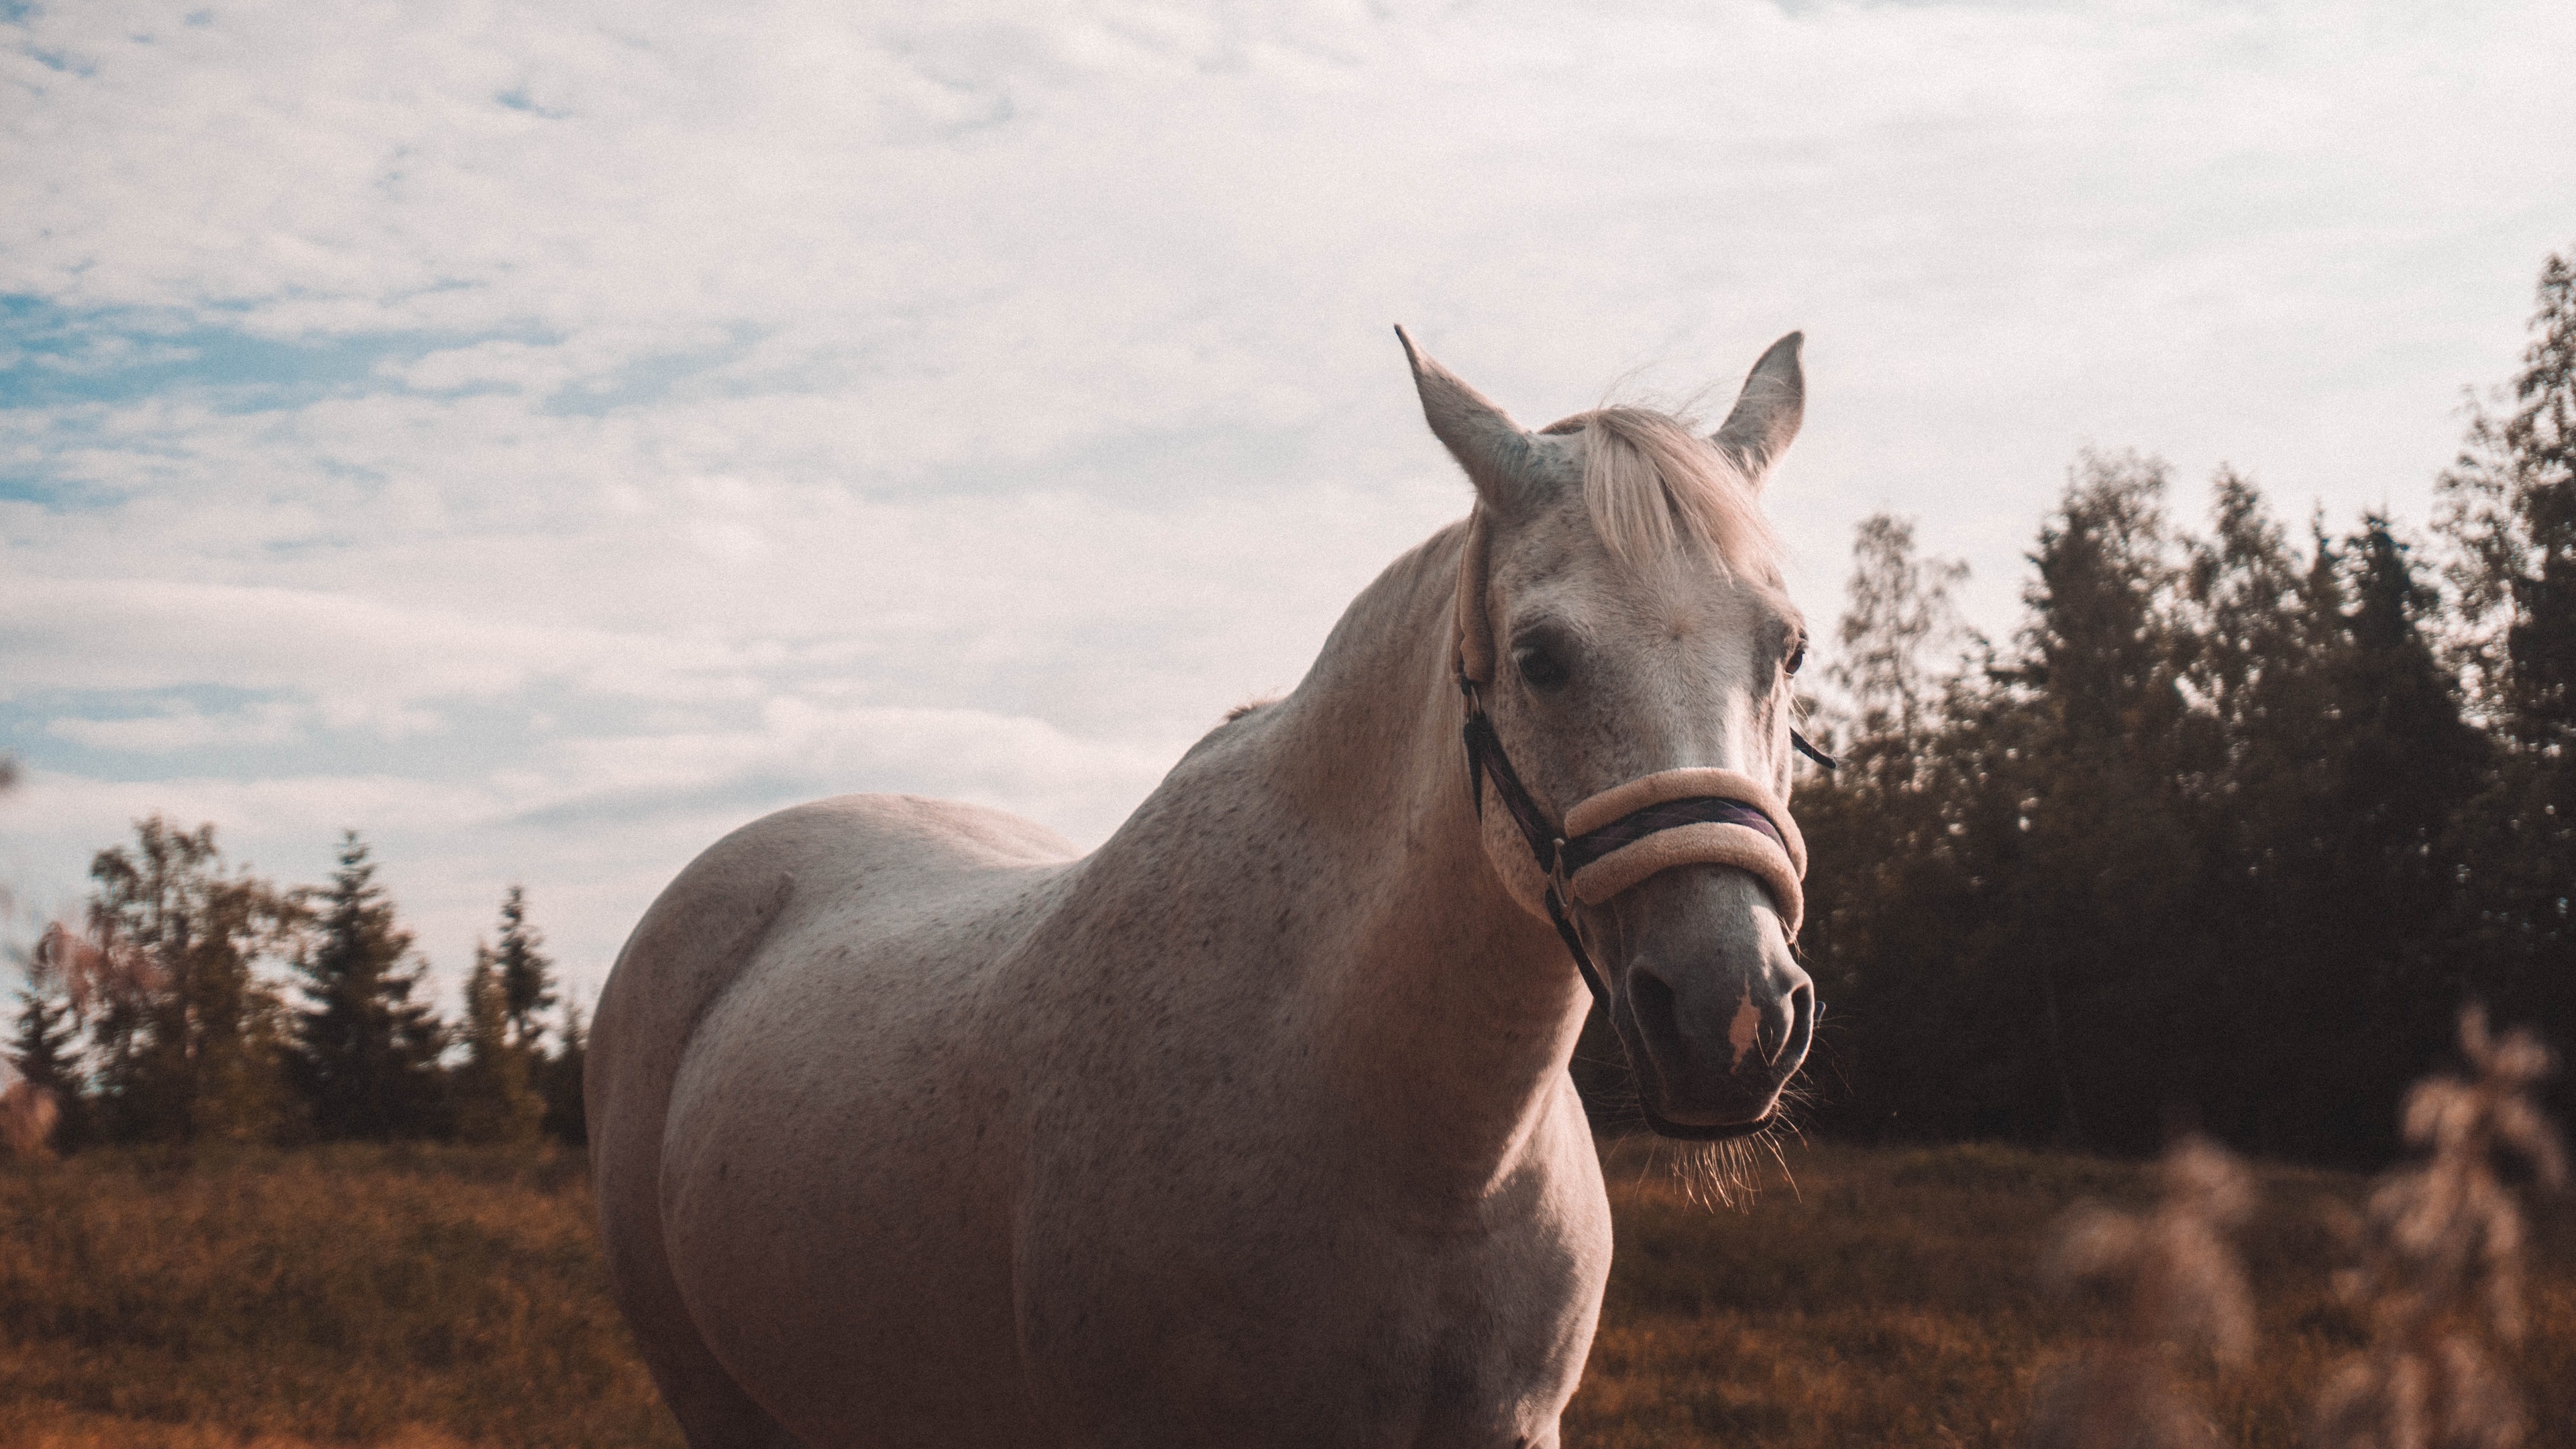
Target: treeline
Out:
[198,1004]
[2229,829]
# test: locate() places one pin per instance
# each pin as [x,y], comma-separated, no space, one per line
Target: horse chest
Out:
[1308,1310]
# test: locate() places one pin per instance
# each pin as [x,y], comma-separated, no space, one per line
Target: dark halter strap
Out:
[1558,858]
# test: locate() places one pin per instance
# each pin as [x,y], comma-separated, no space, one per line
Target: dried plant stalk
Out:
[2180,1289]
[27,1116]
[2441,1244]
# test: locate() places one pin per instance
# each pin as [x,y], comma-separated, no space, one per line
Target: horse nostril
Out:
[1784,1033]
[1650,1000]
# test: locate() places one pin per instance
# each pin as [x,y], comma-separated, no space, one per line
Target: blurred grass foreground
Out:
[429,1297]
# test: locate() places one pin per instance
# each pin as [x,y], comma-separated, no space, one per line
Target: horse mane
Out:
[1643,471]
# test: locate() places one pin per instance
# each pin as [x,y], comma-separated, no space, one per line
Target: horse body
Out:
[1252,1127]
[928,1171]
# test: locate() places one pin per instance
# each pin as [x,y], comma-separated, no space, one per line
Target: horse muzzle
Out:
[1715,1012]
[1705,867]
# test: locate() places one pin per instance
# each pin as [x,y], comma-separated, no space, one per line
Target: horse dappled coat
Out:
[1251,1127]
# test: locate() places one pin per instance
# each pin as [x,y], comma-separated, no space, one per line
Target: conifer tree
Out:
[2508,505]
[2268,777]
[492,1096]
[2540,446]
[2356,861]
[2091,736]
[526,975]
[367,1046]
[2509,508]
[1885,868]
[44,1046]
[2408,759]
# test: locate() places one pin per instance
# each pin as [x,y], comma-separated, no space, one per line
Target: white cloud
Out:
[359,658]
[182,726]
[593,825]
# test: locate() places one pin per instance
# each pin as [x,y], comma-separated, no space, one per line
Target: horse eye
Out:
[1542,667]
[1797,656]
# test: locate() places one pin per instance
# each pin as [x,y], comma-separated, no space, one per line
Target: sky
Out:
[545,438]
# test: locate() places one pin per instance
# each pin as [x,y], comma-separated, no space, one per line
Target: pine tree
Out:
[367,1049]
[1886,876]
[2540,442]
[2363,867]
[2409,759]
[492,1096]
[526,974]
[2267,767]
[2096,763]
[2256,616]
[2265,628]
[2509,509]
[44,1048]
[188,1034]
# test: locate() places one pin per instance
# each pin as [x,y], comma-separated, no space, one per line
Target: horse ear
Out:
[1767,412]
[1482,437]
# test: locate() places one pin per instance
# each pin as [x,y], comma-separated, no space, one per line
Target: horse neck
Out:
[1441,1010]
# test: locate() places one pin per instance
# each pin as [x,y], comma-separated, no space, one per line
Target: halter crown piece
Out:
[1611,841]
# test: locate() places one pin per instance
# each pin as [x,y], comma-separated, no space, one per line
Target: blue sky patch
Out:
[518,99]
[52,356]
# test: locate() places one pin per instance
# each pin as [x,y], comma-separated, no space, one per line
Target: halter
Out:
[1616,839]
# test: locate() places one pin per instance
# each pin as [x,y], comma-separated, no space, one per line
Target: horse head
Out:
[1623,629]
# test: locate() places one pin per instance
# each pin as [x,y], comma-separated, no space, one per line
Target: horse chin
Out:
[1719,1132]
[1689,1126]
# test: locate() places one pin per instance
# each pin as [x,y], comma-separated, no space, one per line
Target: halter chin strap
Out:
[1613,840]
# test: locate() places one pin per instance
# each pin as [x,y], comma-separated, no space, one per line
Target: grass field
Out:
[430,1298]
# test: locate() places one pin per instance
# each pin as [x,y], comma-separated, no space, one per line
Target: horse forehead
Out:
[1702,599]
[1567,571]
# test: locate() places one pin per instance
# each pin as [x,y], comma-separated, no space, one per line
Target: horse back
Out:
[852,853]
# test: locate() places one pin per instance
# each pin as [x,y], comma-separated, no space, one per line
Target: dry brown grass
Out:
[415,1298]
[444,1298]
[1895,1298]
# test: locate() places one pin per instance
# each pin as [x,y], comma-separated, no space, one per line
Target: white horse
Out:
[1253,1126]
